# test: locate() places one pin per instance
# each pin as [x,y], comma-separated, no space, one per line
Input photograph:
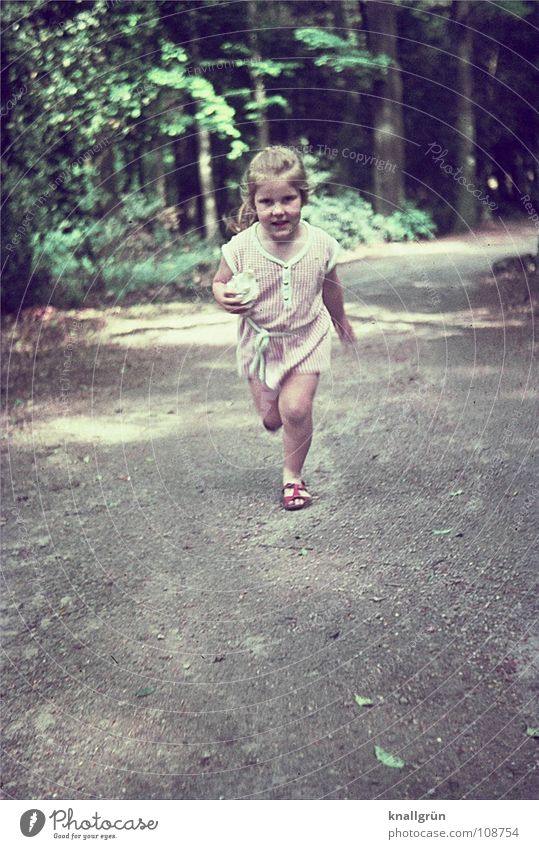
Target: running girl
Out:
[283,335]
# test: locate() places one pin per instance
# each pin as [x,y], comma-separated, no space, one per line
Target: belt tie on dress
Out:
[261,342]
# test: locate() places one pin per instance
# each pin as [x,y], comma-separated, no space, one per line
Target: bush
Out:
[407,224]
[179,268]
[108,258]
[60,256]
[140,208]
[352,221]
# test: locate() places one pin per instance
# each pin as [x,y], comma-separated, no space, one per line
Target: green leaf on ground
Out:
[363,701]
[387,759]
[442,532]
[456,492]
[532,732]
[145,691]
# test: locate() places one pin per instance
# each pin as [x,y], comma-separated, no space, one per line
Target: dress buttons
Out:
[285,281]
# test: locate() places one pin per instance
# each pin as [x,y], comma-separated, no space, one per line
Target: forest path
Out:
[172,633]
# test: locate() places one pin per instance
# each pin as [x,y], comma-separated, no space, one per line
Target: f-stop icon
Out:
[32,822]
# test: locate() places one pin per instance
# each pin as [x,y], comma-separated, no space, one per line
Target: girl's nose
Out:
[277,208]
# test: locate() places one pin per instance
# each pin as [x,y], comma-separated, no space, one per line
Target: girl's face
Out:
[278,206]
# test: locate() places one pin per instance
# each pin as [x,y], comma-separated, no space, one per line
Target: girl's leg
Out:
[267,404]
[296,407]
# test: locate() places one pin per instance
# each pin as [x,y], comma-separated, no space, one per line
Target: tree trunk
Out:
[207,202]
[160,179]
[466,204]
[388,182]
[348,172]
[210,217]
[186,182]
[260,100]
[107,181]
[259,89]
[155,172]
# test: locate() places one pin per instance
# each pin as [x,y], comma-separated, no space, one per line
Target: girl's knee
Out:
[296,411]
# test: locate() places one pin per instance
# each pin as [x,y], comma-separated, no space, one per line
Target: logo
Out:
[32,822]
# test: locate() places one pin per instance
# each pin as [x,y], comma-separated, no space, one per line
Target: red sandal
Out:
[299,490]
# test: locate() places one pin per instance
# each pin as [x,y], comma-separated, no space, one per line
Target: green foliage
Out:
[351,220]
[73,270]
[254,111]
[237,149]
[363,701]
[387,759]
[316,166]
[103,103]
[348,218]
[408,224]
[213,112]
[256,69]
[59,257]
[139,207]
[178,269]
[339,53]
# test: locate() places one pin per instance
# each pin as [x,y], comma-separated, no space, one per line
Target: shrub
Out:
[178,268]
[352,221]
[108,257]
[406,224]
[60,256]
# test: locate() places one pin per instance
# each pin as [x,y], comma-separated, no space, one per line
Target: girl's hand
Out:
[345,331]
[332,296]
[230,302]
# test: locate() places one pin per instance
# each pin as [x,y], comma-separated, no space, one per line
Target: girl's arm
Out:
[227,300]
[332,295]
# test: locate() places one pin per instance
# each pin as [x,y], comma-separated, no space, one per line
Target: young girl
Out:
[283,335]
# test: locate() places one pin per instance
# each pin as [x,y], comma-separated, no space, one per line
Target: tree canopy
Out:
[126,126]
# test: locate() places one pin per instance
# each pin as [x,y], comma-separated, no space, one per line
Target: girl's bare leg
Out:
[296,407]
[267,404]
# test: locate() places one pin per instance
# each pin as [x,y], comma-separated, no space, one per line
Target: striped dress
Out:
[287,330]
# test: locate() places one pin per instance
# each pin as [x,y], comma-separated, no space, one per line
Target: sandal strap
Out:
[296,488]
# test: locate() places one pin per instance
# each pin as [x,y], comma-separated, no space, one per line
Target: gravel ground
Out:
[171,633]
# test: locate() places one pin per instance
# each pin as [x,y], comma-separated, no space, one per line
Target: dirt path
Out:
[171,633]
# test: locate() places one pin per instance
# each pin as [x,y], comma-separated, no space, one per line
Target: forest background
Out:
[126,127]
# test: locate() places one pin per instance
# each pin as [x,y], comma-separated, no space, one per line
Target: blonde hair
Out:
[272,163]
